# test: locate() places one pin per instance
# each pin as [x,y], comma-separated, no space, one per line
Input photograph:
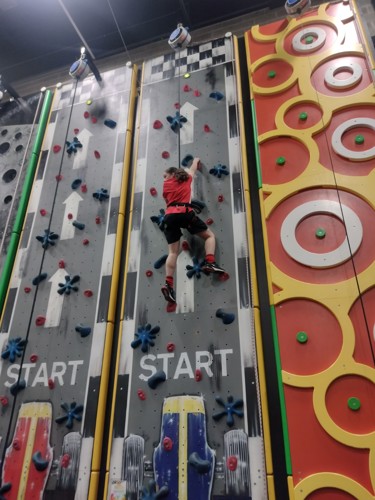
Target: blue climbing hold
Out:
[176,121]
[156,379]
[47,239]
[227,318]
[78,225]
[202,466]
[230,409]
[4,489]
[159,219]
[198,205]
[69,285]
[160,262]
[145,336]
[110,123]
[72,412]
[39,462]
[186,160]
[101,194]
[219,170]
[84,331]
[71,146]
[149,492]
[13,349]
[195,269]
[17,387]
[76,183]
[218,96]
[38,279]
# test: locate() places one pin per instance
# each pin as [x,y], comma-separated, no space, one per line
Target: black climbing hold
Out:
[110,123]
[79,225]
[227,318]
[198,205]
[159,219]
[176,121]
[202,466]
[4,147]
[47,239]
[160,262]
[186,160]
[218,96]
[4,489]
[39,462]
[101,194]
[72,412]
[73,145]
[156,379]
[17,387]
[69,285]
[38,279]
[76,183]
[84,331]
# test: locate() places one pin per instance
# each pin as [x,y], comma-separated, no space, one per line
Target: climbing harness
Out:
[194,205]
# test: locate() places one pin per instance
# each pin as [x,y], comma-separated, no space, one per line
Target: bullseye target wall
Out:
[312,97]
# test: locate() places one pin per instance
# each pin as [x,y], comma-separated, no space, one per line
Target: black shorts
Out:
[187,220]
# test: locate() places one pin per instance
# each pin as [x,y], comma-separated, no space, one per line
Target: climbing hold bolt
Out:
[320,233]
[156,379]
[167,443]
[302,337]
[354,403]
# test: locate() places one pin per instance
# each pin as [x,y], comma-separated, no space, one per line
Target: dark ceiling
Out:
[37,36]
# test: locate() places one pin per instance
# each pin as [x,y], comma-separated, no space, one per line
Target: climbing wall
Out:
[186,417]
[57,326]
[313,100]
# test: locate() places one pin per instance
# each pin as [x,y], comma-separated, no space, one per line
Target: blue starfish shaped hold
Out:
[14,348]
[176,121]
[218,96]
[101,194]
[159,219]
[219,170]
[149,492]
[69,285]
[72,412]
[145,336]
[47,239]
[195,269]
[71,146]
[230,409]
[4,489]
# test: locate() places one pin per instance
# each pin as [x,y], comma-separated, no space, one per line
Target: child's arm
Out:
[194,167]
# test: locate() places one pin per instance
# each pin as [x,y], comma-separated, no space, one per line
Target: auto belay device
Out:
[179,38]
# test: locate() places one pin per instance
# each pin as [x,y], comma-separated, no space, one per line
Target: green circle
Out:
[303,116]
[302,337]
[187,75]
[320,233]
[354,403]
[280,160]
[309,39]
[359,139]
[271,74]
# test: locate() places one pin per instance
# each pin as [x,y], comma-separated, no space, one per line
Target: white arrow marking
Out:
[187,130]
[71,207]
[80,156]
[55,301]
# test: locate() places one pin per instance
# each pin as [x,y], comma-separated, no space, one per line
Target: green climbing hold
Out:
[280,160]
[359,139]
[187,75]
[320,233]
[354,403]
[271,74]
[302,337]
[309,39]
[303,116]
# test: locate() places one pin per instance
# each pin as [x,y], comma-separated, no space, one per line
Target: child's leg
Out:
[170,264]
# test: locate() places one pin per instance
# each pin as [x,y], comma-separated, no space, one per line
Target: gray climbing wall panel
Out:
[59,296]
[164,431]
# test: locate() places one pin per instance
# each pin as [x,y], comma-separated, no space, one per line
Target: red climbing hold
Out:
[40,320]
[232,462]
[97,154]
[171,347]
[171,307]
[149,273]
[97,220]
[223,276]
[167,443]
[61,264]
[43,212]
[84,188]
[153,191]
[198,375]
[209,221]
[186,88]
[206,128]
[70,216]
[59,178]
[220,198]
[76,131]
[56,148]
[85,242]
[197,93]
[86,114]
[16,444]
[4,401]
[185,245]
[165,155]
[33,358]
[51,383]
[141,394]
[157,124]
[27,289]
[94,119]
[65,460]
[88,293]
[177,105]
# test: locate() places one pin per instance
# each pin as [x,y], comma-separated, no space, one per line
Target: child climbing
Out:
[180,214]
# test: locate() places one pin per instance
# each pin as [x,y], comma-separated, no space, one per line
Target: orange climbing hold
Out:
[88,293]
[157,124]
[43,212]
[86,114]
[153,191]
[40,320]
[206,128]
[97,154]
[56,148]
[165,155]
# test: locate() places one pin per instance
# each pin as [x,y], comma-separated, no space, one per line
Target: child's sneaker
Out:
[168,293]
[211,267]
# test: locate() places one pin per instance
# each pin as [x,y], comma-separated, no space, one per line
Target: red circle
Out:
[282,71]
[334,233]
[293,119]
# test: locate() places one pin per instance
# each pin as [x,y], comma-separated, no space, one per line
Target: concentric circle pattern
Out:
[316,133]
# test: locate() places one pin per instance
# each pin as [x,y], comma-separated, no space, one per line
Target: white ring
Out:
[335,83]
[341,150]
[343,253]
[298,46]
